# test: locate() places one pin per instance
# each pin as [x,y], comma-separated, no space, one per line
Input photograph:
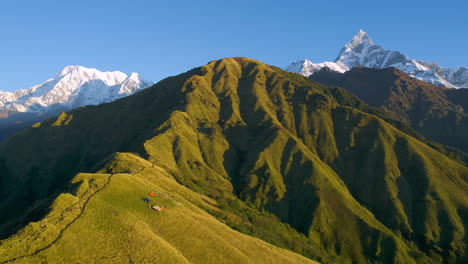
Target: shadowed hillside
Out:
[264,144]
[434,111]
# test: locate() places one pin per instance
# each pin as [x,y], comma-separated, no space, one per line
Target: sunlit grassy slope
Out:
[104,220]
[264,145]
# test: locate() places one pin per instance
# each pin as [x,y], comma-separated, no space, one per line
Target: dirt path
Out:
[83,208]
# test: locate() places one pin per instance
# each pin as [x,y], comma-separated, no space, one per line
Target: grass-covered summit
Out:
[298,164]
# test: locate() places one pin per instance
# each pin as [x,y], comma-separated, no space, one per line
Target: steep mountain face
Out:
[265,145]
[434,111]
[72,87]
[459,97]
[361,51]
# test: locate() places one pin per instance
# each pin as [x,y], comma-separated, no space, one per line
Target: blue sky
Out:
[163,38]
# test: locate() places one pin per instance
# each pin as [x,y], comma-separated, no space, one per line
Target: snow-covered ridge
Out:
[361,51]
[72,87]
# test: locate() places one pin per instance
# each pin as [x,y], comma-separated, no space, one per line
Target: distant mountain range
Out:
[362,161]
[361,51]
[235,144]
[72,87]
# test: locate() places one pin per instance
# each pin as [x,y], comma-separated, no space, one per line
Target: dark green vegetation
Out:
[436,112]
[10,125]
[459,97]
[298,164]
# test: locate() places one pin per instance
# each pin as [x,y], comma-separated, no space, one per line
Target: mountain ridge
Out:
[111,198]
[254,138]
[361,50]
[431,110]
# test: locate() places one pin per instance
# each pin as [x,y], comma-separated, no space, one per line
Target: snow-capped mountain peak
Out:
[362,51]
[83,73]
[307,67]
[72,87]
[71,69]
[353,52]
[361,38]
[132,83]
[135,76]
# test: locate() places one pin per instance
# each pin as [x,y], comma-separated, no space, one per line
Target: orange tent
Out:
[151,194]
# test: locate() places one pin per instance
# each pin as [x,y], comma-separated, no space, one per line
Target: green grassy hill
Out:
[300,165]
[103,219]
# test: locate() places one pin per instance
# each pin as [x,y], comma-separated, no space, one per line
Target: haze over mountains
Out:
[361,51]
[72,87]
[298,164]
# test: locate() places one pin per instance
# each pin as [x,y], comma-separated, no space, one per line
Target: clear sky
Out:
[163,38]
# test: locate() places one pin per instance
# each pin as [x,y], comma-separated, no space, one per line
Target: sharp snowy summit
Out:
[361,51]
[72,87]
